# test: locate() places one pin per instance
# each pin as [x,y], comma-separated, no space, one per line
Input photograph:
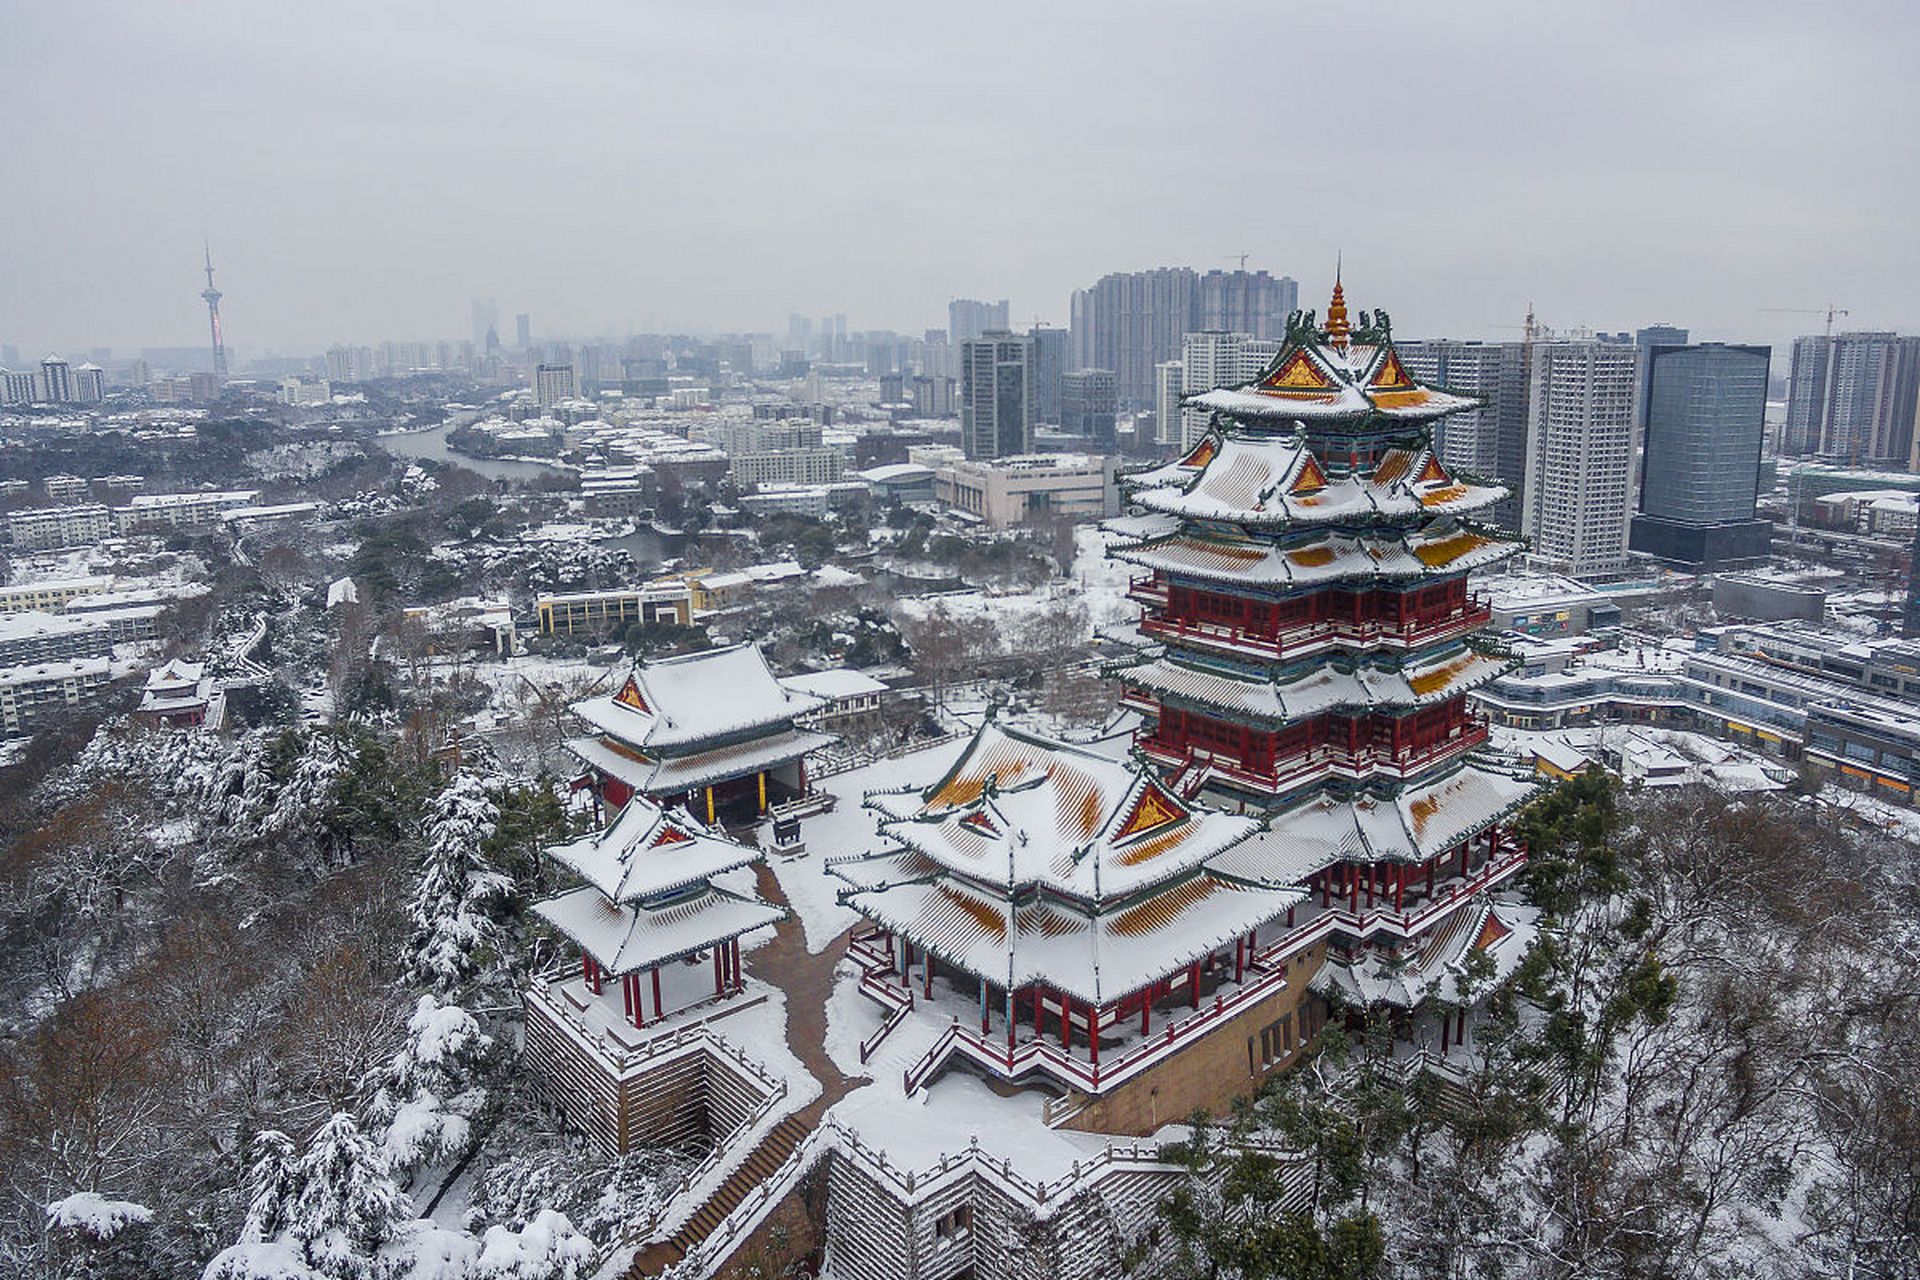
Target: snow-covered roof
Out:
[1319,382]
[1441,547]
[673,774]
[1502,930]
[1415,824]
[1017,810]
[646,852]
[1430,678]
[1096,958]
[841,682]
[1257,478]
[687,700]
[624,938]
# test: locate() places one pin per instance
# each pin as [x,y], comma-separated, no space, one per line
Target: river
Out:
[431,445]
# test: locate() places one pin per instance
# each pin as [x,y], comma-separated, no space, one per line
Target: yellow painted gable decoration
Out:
[629,696]
[1202,453]
[1154,809]
[1298,374]
[1490,932]
[1391,375]
[1310,477]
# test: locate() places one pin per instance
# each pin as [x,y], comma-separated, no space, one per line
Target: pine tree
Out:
[346,1205]
[454,904]
[273,1183]
[430,1093]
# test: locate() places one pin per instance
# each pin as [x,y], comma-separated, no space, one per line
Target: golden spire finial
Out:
[1337,326]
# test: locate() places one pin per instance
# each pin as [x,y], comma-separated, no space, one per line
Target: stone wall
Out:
[1231,1060]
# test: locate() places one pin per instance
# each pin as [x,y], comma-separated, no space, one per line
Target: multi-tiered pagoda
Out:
[1314,641]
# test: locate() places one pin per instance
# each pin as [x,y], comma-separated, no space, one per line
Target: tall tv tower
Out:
[212,297]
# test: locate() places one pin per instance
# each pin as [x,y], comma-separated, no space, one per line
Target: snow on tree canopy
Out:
[429,1098]
[453,904]
[92,1214]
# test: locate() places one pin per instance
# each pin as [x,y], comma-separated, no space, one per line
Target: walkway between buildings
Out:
[807,980]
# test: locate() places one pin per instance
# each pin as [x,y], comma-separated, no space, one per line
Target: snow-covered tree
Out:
[547,1248]
[431,1092]
[346,1205]
[325,1215]
[458,895]
[311,786]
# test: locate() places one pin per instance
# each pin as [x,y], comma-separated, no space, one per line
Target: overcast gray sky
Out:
[364,170]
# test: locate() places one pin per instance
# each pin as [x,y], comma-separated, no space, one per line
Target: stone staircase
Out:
[761,1163]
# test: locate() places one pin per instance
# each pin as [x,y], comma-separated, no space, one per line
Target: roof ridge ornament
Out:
[1337,327]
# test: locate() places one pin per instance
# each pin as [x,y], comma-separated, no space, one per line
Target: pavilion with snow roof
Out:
[712,730]
[180,695]
[654,919]
[1311,639]
[1071,901]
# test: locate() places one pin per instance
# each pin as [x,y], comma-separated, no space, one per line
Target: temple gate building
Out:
[713,730]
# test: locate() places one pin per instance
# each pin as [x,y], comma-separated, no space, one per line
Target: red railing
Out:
[1013,1061]
[1295,641]
[877,984]
[1290,769]
[1446,895]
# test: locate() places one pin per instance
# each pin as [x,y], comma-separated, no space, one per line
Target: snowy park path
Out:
[808,980]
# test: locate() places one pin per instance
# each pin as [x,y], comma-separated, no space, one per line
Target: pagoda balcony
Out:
[1055,1045]
[1192,766]
[1313,638]
[1402,901]
[1149,589]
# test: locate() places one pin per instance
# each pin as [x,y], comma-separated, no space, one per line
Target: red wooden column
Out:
[1193,983]
[733,949]
[1353,888]
[926,959]
[1093,1036]
[1146,1010]
[626,994]
[1066,1021]
[659,1009]
[1239,958]
[719,978]
[1039,1031]
[1430,863]
[1400,888]
[1463,859]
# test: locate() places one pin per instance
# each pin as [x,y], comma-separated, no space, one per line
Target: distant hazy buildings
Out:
[1049,365]
[996,395]
[56,382]
[1852,397]
[1491,440]
[1169,381]
[1703,415]
[933,396]
[1578,492]
[1212,359]
[1013,490]
[970,318]
[1087,406]
[1132,321]
[552,383]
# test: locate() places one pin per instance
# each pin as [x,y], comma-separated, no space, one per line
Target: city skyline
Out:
[1124,179]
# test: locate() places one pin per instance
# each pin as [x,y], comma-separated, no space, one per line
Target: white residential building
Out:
[1169,380]
[1210,360]
[1578,496]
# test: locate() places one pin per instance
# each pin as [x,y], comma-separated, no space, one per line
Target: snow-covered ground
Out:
[849,829]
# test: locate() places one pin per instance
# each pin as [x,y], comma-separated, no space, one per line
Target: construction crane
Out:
[1829,311]
[1241,256]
